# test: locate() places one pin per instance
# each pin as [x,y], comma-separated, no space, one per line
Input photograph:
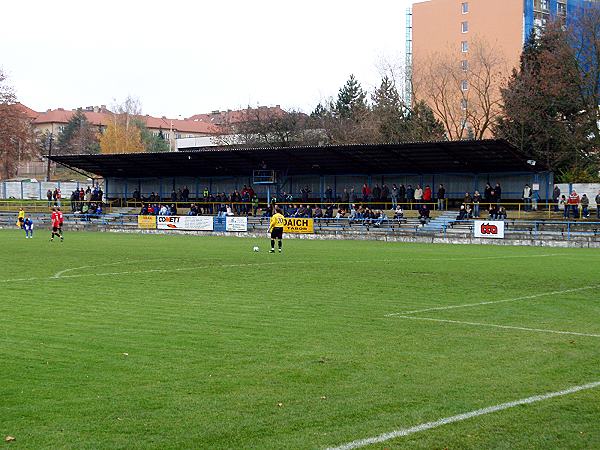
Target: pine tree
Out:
[351,102]
[78,136]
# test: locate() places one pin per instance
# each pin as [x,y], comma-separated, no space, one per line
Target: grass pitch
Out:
[170,341]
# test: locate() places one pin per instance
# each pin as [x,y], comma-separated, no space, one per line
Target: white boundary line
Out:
[460,417]
[516,299]
[60,275]
[507,327]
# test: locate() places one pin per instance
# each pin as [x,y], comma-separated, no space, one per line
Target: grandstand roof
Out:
[485,156]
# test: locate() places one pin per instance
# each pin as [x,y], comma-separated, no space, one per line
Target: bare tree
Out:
[463,91]
[17,140]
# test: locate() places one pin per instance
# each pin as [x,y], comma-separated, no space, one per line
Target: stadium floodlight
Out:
[531,162]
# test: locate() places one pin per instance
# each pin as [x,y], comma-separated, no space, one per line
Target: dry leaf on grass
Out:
[10,438]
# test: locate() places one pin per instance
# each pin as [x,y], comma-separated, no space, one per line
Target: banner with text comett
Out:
[489,229]
[298,225]
[193,223]
[147,222]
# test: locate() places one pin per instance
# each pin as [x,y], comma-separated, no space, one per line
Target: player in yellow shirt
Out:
[21,218]
[276,229]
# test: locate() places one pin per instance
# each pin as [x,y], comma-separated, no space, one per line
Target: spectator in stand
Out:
[585,204]
[193,210]
[309,211]
[318,212]
[467,199]
[254,205]
[49,196]
[329,212]
[341,213]
[573,204]
[402,194]
[498,193]
[173,210]
[376,194]
[427,194]
[301,212]
[398,213]
[351,196]
[185,194]
[381,217]
[173,196]
[58,196]
[598,205]
[527,197]
[385,194]
[164,211]
[424,214]
[562,204]
[462,213]
[492,197]
[394,193]
[305,193]
[345,197]
[329,194]
[144,210]
[366,193]
[441,197]
[493,211]
[410,196]
[418,195]
[501,213]
[487,193]
[556,197]
[476,201]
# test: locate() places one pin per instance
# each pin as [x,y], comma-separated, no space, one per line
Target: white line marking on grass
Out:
[492,325]
[116,263]
[60,275]
[516,299]
[460,417]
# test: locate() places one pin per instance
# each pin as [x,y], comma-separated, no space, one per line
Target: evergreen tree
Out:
[351,102]
[542,111]
[78,136]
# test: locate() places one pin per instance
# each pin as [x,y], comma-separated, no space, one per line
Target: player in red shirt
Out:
[57,221]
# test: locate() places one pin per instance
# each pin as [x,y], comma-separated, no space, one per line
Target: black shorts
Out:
[54,229]
[277,233]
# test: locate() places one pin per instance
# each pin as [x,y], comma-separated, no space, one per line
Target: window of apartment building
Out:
[464,85]
[561,9]
[464,27]
[464,46]
[464,104]
[464,7]
[464,65]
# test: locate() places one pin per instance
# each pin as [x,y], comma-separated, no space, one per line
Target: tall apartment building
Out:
[453,27]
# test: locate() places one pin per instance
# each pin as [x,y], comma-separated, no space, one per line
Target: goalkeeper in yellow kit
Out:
[276,229]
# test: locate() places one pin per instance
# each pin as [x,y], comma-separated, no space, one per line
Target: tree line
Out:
[548,108]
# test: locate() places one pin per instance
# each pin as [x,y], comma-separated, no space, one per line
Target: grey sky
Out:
[186,57]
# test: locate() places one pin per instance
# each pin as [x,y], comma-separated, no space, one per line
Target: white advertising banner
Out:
[236,224]
[489,229]
[195,223]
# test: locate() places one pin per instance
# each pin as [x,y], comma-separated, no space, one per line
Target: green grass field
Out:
[168,341]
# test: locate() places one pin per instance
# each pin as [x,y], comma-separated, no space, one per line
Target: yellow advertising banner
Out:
[298,225]
[147,222]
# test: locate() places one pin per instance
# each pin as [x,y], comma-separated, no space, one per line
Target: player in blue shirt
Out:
[28,227]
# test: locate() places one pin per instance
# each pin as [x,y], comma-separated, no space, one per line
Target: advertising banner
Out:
[298,225]
[219,224]
[489,229]
[236,224]
[147,222]
[194,223]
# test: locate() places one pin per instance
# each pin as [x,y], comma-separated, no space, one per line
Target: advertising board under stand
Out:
[298,225]
[489,229]
[193,223]
[236,224]
[147,222]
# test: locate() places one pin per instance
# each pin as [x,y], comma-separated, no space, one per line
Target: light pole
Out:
[49,143]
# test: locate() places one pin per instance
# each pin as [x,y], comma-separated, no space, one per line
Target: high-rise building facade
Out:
[460,30]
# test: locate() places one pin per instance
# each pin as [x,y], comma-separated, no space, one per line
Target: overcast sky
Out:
[186,57]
